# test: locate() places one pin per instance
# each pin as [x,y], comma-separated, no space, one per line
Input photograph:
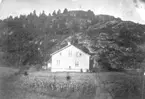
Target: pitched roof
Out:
[67,47]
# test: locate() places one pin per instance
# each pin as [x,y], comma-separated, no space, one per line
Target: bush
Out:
[124,86]
[25,73]
[68,77]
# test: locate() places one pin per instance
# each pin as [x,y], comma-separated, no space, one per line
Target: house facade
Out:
[69,59]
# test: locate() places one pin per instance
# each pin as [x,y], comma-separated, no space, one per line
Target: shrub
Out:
[25,73]
[124,86]
[68,77]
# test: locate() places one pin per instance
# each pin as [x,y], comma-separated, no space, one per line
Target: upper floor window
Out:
[69,53]
[78,54]
[60,53]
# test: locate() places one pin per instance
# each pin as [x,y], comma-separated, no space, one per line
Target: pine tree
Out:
[34,12]
[49,14]
[54,13]
[65,11]
[59,12]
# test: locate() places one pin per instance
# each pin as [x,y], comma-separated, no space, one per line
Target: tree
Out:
[19,46]
[113,55]
[34,12]
[49,14]
[91,14]
[118,44]
[59,12]
[65,11]
[54,13]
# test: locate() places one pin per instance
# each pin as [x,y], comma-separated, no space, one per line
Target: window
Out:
[69,67]
[58,62]
[78,54]
[76,63]
[70,53]
[60,53]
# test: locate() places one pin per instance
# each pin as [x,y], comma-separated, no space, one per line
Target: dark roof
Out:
[60,50]
[67,47]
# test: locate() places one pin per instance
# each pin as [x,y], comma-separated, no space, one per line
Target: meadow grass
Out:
[57,85]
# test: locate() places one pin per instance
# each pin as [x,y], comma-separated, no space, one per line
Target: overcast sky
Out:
[133,10]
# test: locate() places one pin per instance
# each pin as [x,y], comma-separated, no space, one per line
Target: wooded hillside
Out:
[113,43]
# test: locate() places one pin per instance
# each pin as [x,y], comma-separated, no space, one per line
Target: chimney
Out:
[68,43]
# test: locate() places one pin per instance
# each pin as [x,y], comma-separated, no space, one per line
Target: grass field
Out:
[46,85]
[79,86]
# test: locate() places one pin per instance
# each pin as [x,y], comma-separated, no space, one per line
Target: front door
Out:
[69,67]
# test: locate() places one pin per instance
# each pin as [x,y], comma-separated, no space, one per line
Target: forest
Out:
[28,40]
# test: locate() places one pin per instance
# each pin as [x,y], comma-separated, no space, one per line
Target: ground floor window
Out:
[76,63]
[58,62]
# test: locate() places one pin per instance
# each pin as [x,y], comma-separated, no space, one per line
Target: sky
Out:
[132,10]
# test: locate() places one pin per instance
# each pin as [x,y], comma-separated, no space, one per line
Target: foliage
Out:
[29,39]
[19,45]
[118,49]
[125,87]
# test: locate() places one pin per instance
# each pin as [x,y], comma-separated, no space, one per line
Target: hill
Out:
[112,42]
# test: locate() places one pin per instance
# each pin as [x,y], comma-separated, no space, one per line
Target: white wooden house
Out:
[69,59]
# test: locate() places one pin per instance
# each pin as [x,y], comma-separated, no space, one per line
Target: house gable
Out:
[66,48]
[70,58]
